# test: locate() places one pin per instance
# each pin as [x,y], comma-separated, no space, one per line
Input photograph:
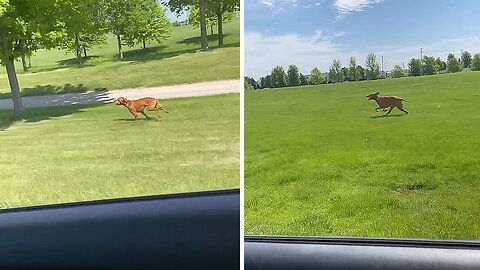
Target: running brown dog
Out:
[139,105]
[387,101]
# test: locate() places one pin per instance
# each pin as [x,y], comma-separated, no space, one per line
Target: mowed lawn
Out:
[320,162]
[177,60]
[83,153]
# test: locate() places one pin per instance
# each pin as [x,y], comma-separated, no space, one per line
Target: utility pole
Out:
[421,54]
[382,67]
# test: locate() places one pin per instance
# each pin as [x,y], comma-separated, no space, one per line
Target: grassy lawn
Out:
[82,153]
[320,161]
[175,61]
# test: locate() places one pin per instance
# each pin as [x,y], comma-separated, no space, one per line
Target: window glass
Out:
[76,76]
[361,119]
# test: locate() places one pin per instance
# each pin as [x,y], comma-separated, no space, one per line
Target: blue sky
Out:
[311,33]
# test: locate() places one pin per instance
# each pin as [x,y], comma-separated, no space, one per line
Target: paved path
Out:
[164,92]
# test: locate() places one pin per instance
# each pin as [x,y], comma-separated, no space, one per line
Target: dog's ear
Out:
[377,93]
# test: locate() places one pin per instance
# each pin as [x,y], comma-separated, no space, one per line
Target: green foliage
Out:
[278,77]
[361,73]
[415,66]
[303,79]
[440,64]
[147,21]
[397,72]
[476,62]
[250,83]
[293,75]
[210,17]
[353,72]
[429,66]
[268,82]
[316,77]
[453,64]
[372,68]
[466,59]
[335,74]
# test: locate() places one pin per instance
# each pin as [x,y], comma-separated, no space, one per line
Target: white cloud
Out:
[348,6]
[269,3]
[278,5]
[339,34]
[263,52]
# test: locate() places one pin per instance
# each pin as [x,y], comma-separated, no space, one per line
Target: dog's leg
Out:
[144,114]
[376,109]
[390,110]
[402,109]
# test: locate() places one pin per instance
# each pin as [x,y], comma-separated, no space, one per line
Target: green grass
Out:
[318,160]
[175,61]
[83,153]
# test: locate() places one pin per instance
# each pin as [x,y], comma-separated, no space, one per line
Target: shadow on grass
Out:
[386,116]
[139,119]
[34,115]
[44,90]
[211,39]
[158,52]
[90,61]
[73,62]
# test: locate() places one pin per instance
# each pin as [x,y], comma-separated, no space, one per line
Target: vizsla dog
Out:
[386,102]
[139,105]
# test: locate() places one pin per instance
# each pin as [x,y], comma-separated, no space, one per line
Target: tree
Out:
[429,66]
[316,77]
[335,74]
[441,64]
[344,74]
[293,76]
[261,83]
[372,68]
[303,79]
[268,82]
[476,62]
[224,11]
[453,65]
[250,83]
[278,77]
[397,72]
[352,70]
[361,73]
[147,21]
[178,6]
[210,18]
[80,25]
[415,66]
[18,19]
[118,15]
[466,59]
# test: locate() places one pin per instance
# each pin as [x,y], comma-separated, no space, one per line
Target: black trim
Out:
[395,242]
[123,200]
[180,231]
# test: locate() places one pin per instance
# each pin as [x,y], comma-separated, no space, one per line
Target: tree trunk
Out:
[119,43]
[211,29]
[29,61]
[78,54]
[12,75]
[220,27]
[85,52]
[24,63]
[203,25]
[144,45]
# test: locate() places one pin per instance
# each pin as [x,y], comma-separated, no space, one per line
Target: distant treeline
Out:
[428,65]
